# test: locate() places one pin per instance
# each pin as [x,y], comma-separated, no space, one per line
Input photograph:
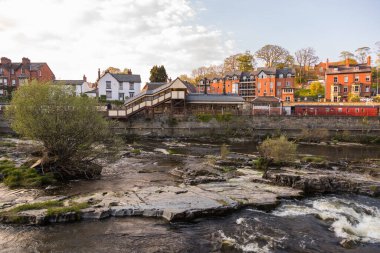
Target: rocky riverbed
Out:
[158,181]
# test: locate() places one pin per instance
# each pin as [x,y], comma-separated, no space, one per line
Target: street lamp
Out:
[224,86]
[205,85]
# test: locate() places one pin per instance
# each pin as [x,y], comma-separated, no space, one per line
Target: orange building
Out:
[343,80]
[275,82]
[13,74]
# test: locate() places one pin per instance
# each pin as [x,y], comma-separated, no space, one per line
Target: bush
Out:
[24,176]
[204,117]
[278,149]
[223,117]
[224,151]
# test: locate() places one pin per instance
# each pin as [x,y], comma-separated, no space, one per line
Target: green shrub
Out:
[204,117]
[224,151]
[278,149]
[312,159]
[36,206]
[136,151]
[223,117]
[74,207]
[24,176]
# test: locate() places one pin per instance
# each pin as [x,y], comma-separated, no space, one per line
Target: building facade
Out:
[80,87]
[118,86]
[14,74]
[349,79]
[275,82]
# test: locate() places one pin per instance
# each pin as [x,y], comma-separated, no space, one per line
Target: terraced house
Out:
[13,74]
[349,79]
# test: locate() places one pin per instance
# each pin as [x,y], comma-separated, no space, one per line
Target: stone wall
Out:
[241,126]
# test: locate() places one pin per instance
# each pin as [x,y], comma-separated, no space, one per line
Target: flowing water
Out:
[315,224]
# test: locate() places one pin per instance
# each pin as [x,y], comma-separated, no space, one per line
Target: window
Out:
[120,86]
[346,79]
[131,86]
[278,92]
[287,84]
[121,96]
[108,84]
[289,75]
[356,109]
[271,85]
[367,89]
[321,69]
[356,78]
[244,78]
[12,71]
[1,71]
[367,78]
[271,90]
[108,94]
[278,84]
[335,88]
[131,94]
[5,81]
[356,88]
[281,76]
[287,99]
[39,73]
[340,110]
[335,79]
[259,85]
[1,80]
[13,82]
[345,89]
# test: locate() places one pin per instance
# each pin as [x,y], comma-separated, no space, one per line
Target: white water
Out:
[348,218]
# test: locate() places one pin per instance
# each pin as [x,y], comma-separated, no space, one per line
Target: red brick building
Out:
[13,74]
[275,82]
[343,80]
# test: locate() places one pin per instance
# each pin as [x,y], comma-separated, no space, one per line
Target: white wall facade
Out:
[117,90]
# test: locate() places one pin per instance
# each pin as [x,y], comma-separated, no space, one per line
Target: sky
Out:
[78,37]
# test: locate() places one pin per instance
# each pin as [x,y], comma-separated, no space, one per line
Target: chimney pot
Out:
[369,60]
[347,62]
[84,78]
[98,73]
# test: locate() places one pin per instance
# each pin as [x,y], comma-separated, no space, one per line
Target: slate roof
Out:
[359,68]
[127,78]
[69,82]
[266,99]
[153,86]
[276,71]
[214,98]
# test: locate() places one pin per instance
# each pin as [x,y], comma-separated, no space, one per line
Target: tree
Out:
[276,150]
[305,57]
[273,55]
[378,53]
[231,64]
[353,98]
[245,62]
[114,70]
[346,54]
[186,78]
[362,53]
[316,88]
[73,133]
[158,74]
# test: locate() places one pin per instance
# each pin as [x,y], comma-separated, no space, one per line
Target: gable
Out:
[178,84]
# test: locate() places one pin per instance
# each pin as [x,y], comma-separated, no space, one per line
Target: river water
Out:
[314,224]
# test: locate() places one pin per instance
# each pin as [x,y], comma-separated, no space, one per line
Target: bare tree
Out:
[306,57]
[362,53]
[231,63]
[346,54]
[272,55]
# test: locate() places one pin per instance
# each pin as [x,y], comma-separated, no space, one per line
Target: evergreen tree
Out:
[158,74]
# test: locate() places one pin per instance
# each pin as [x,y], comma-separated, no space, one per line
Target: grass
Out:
[312,159]
[172,152]
[23,176]
[7,144]
[136,151]
[227,169]
[74,207]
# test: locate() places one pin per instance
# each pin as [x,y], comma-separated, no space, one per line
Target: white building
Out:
[118,86]
[80,86]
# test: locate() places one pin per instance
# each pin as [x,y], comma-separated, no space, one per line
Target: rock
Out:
[95,213]
[229,246]
[349,244]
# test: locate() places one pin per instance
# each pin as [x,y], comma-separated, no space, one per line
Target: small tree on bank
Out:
[73,133]
[276,150]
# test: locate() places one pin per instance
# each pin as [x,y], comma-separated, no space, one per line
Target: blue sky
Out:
[329,26]
[78,37]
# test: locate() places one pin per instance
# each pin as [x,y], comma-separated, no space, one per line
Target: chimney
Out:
[5,60]
[84,78]
[369,60]
[25,61]
[170,79]
[347,62]
[98,73]
[327,63]
[129,72]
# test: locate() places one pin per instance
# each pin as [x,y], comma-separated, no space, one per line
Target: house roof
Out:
[153,85]
[266,99]
[276,71]
[214,98]
[127,78]
[359,68]
[69,82]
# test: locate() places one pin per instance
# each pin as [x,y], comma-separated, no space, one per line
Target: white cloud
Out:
[77,37]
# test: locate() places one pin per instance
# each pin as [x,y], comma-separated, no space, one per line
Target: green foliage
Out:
[7,144]
[316,88]
[70,128]
[158,74]
[278,149]
[353,98]
[224,151]
[223,117]
[136,151]
[23,176]
[172,152]
[376,99]
[204,117]
[36,206]
[261,163]
[312,159]
[245,62]
[73,207]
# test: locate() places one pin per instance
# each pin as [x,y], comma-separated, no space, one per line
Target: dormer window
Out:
[281,76]
[367,78]
[289,75]
[335,79]
[335,69]
[244,78]
[12,71]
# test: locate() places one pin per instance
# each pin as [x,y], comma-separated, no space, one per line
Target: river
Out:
[315,224]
